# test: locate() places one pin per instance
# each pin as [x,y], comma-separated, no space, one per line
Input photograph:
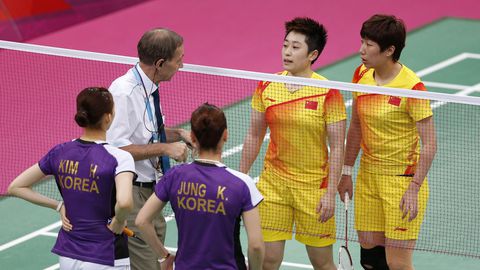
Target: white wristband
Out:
[59,206]
[162,260]
[347,170]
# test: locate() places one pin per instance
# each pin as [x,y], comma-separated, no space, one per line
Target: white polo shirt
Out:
[131,124]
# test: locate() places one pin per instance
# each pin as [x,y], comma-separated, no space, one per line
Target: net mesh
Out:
[38,102]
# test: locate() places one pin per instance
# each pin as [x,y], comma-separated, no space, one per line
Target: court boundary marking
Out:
[465,90]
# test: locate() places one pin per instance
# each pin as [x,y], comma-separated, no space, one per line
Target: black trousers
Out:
[239,257]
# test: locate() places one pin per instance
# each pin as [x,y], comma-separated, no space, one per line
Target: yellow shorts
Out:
[283,207]
[377,205]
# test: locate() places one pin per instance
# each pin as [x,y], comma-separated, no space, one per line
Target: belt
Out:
[144,184]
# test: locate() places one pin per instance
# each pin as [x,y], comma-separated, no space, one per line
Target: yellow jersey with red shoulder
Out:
[390,140]
[297,151]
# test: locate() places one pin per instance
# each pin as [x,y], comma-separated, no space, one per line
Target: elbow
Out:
[11,190]
[141,222]
[249,139]
[126,205]
[432,148]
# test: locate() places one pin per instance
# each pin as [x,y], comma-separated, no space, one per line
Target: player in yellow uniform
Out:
[398,143]
[300,175]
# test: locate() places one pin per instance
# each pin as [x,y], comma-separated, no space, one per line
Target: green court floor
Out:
[450,227]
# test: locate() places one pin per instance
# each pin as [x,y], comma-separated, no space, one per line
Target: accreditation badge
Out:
[158,175]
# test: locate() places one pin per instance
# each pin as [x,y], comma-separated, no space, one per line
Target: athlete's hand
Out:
[117,227]
[326,207]
[345,186]
[409,202]
[66,225]
[168,263]
[178,151]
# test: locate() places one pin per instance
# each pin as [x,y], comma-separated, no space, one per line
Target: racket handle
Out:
[346,200]
[128,232]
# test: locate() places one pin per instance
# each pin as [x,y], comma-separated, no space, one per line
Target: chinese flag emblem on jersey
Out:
[394,101]
[311,105]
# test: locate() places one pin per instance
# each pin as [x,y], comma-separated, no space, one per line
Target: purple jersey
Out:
[206,199]
[85,175]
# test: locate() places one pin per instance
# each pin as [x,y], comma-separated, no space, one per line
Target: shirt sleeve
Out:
[419,109]
[252,196]
[162,188]
[46,163]
[334,107]
[257,101]
[122,127]
[125,162]
[357,75]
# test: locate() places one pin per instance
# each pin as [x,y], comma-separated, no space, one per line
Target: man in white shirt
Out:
[138,127]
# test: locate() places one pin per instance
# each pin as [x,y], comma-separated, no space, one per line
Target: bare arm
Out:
[426,130]
[178,134]
[253,141]
[256,247]
[409,201]
[354,137]
[176,150]
[336,139]
[22,188]
[124,198]
[144,223]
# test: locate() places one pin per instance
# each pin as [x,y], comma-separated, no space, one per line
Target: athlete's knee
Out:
[325,264]
[373,258]
[272,260]
[399,264]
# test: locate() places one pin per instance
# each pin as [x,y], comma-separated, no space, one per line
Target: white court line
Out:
[45,231]
[232,150]
[473,55]
[442,65]
[446,63]
[238,148]
[30,235]
[53,267]
[57,266]
[464,92]
[445,85]
[296,265]
[52,234]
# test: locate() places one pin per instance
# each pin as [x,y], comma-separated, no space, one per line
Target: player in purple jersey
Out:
[206,197]
[95,182]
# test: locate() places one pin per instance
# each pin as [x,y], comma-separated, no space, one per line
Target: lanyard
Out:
[152,119]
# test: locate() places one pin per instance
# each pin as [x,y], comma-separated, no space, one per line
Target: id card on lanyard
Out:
[155,133]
